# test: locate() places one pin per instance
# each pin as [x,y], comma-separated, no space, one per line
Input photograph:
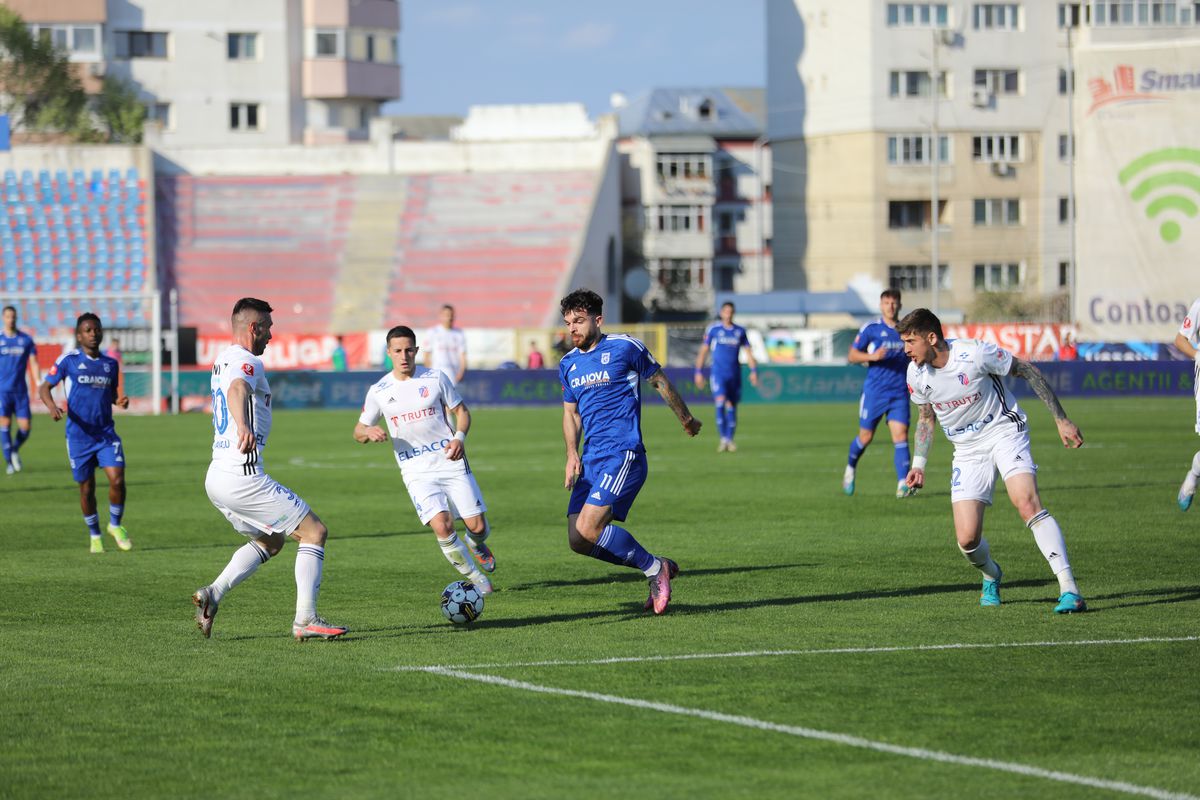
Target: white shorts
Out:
[255,504]
[458,494]
[1196,384]
[973,473]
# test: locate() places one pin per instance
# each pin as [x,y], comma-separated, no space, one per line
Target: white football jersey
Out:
[1190,327]
[414,411]
[447,348]
[237,363]
[969,398]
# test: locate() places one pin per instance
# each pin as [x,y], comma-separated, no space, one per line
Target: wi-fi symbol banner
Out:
[1183,173]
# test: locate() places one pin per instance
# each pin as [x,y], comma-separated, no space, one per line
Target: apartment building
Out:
[875,107]
[237,72]
[696,211]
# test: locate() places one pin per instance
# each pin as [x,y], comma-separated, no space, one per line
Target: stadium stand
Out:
[75,233]
[279,238]
[494,245]
[345,253]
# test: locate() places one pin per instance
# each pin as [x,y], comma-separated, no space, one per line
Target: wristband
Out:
[919,462]
[460,436]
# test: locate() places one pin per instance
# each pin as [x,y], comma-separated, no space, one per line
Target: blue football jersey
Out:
[605,384]
[15,351]
[725,344]
[91,386]
[889,375]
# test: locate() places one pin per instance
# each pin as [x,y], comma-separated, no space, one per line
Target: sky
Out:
[458,53]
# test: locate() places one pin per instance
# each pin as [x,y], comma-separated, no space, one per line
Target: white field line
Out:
[825,736]
[818,652]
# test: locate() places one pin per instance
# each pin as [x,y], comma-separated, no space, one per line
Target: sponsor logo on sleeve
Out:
[248,369]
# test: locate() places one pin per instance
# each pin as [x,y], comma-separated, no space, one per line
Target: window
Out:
[991,211]
[915,277]
[678,273]
[997,277]
[160,113]
[1064,274]
[675,219]
[918,15]
[914,84]
[999,81]
[913,213]
[328,43]
[1066,147]
[364,117]
[141,44]
[725,277]
[242,46]
[674,166]
[80,41]
[243,116]
[914,149]
[1072,15]
[997,16]
[996,148]
[1137,12]
[1064,210]
[1066,81]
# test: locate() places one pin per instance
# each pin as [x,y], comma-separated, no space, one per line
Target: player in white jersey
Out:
[237,484]
[958,384]
[430,454]
[446,347]
[1188,342]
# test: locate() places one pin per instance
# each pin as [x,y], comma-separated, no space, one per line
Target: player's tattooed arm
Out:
[662,385]
[1067,430]
[926,422]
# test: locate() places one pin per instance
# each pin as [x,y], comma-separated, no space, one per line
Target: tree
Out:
[120,111]
[38,87]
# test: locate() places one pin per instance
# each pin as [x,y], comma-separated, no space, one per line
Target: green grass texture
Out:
[817,645]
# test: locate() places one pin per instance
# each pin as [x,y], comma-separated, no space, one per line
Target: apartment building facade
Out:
[236,73]
[696,210]
[864,137]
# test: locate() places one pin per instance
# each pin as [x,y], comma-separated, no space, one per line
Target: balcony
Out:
[52,11]
[329,79]
[349,14]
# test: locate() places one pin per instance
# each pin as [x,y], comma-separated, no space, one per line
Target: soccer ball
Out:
[462,602]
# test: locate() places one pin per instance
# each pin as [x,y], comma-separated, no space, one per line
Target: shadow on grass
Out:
[633,577]
[1140,597]
[233,543]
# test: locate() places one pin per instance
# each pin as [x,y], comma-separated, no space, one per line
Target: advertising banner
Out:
[1032,341]
[1137,175]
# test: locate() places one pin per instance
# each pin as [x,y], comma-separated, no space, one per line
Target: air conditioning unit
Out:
[948,37]
[1002,169]
[981,97]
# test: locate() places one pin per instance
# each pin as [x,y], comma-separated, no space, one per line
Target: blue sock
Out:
[730,421]
[114,513]
[901,460]
[617,546]
[856,451]
[21,437]
[6,441]
[721,427]
[93,524]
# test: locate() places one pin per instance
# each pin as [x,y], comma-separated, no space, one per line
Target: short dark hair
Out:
[401,332]
[729,303]
[252,303]
[582,300]
[447,307]
[84,317]
[920,321]
[10,308]
[892,293]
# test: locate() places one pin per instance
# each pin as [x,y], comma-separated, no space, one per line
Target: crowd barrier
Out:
[517,387]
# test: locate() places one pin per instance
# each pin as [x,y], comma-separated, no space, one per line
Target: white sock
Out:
[1050,541]
[981,559]
[481,537]
[246,559]
[309,560]
[1194,473]
[456,552]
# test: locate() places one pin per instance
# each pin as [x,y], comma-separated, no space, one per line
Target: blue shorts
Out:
[87,454]
[729,386]
[871,410]
[614,480]
[14,404]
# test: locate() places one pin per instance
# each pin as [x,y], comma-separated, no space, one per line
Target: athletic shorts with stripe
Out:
[457,494]
[255,504]
[973,471]
[612,480]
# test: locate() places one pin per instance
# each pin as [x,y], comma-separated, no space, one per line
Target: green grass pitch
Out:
[108,689]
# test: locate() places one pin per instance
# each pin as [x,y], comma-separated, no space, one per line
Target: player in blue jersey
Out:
[17,355]
[885,391]
[90,380]
[601,383]
[726,341]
